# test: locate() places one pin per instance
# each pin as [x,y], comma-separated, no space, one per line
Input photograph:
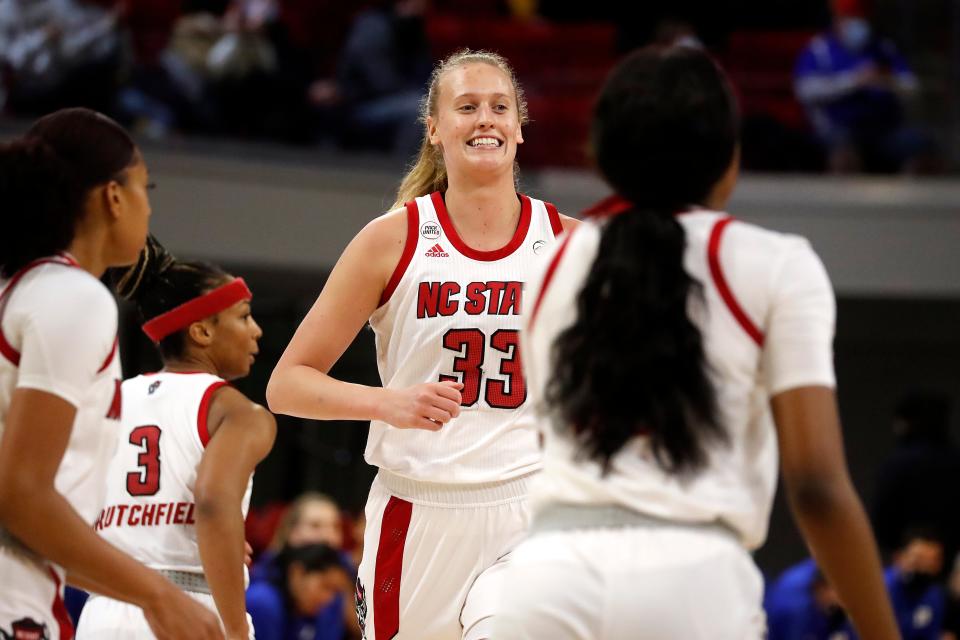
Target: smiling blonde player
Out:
[440,280]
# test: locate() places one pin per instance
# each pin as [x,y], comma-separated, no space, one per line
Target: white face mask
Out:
[854,32]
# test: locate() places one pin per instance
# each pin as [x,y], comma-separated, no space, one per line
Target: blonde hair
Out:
[294,514]
[428,173]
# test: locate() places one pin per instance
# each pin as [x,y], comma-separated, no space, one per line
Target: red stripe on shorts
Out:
[386,593]
[59,610]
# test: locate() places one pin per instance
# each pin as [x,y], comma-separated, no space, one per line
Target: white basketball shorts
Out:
[655,583]
[31,598]
[434,557]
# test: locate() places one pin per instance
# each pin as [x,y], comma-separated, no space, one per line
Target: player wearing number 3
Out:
[178,486]
[440,280]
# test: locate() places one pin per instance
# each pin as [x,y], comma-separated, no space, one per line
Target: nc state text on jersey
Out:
[477,298]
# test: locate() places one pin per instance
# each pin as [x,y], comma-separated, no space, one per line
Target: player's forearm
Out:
[44,520]
[220,538]
[304,392]
[80,582]
[836,529]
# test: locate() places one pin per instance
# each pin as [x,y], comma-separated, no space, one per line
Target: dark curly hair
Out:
[664,132]
[45,177]
[158,282]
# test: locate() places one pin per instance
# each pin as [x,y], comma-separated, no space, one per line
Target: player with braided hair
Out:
[178,486]
[671,352]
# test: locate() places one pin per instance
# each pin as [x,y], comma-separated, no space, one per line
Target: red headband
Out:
[197,309]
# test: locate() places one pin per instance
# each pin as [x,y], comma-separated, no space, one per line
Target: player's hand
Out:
[175,616]
[247,554]
[423,406]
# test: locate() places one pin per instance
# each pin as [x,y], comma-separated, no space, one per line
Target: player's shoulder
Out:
[385,231]
[68,284]
[228,400]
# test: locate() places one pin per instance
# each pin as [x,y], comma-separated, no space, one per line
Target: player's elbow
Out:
[275,391]
[816,496]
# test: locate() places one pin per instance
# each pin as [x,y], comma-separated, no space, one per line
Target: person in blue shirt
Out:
[314,518]
[292,605]
[919,601]
[853,85]
[801,605]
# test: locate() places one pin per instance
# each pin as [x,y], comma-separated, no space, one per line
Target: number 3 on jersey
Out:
[145,481]
[470,346]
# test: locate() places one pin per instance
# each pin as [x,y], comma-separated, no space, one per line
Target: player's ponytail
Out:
[45,177]
[428,173]
[158,283]
[664,133]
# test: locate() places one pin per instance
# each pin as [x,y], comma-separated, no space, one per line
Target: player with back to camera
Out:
[439,278]
[669,348]
[178,486]
[74,194]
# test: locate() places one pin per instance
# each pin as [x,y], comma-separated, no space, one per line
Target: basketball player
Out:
[178,487]
[74,202]
[661,337]
[440,280]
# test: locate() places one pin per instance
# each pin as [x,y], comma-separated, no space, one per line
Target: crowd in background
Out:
[351,75]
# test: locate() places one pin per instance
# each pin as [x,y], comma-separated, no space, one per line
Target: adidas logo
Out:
[436,251]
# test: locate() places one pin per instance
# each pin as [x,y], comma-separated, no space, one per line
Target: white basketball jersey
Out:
[454,313]
[58,334]
[150,511]
[766,320]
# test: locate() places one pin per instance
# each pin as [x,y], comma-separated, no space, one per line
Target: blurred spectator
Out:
[286,607]
[58,53]
[168,88]
[802,605]
[853,85]
[912,582]
[381,76]
[314,518]
[920,482]
[951,618]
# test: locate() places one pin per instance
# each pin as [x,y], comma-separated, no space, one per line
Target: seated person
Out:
[286,607]
[853,85]
[912,580]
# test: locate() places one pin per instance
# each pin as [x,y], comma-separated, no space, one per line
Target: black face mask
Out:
[836,617]
[917,582]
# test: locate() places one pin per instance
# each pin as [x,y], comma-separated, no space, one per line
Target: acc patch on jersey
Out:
[361,597]
[25,629]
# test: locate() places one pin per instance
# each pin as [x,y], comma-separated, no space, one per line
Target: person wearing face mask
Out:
[912,581]
[802,605]
[853,85]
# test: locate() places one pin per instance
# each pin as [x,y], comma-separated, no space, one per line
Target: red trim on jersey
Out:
[386,591]
[609,206]
[548,277]
[113,352]
[713,258]
[59,609]
[6,348]
[201,307]
[204,411]
[413,228]
[486,256]
[554,216]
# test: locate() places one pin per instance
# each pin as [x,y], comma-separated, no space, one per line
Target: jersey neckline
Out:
[486,256]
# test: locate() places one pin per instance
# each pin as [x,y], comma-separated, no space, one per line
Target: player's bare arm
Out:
[300,384]
[827,508]
[32,510]
[241,435]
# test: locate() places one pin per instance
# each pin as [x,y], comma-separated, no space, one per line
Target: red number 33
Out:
[470,344]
